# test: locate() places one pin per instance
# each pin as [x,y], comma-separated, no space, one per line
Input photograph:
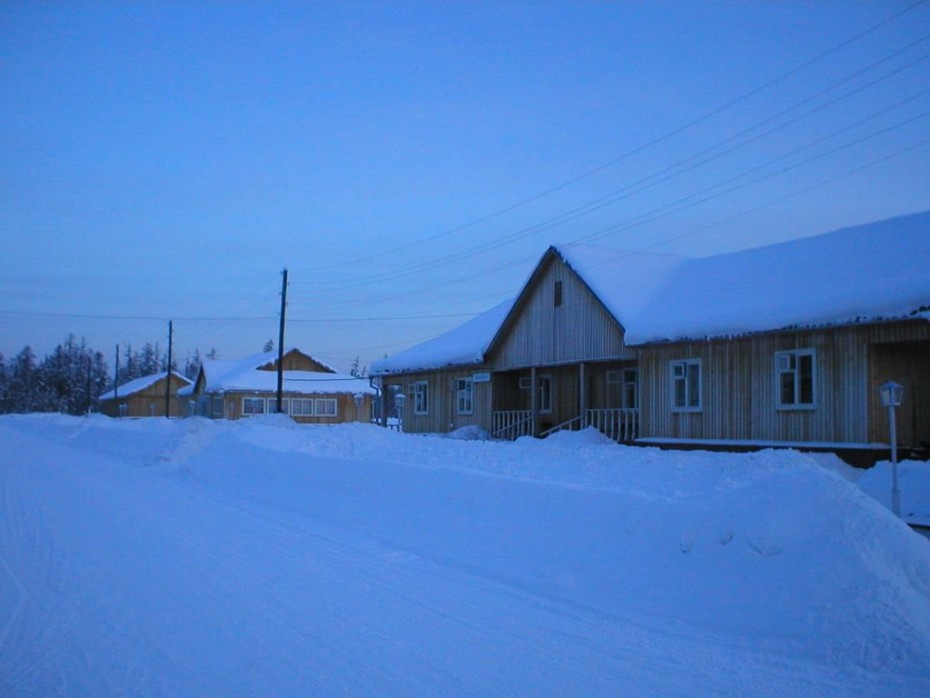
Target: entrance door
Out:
[907,363]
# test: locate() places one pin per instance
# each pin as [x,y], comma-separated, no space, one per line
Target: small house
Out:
[145,397]
[312,392]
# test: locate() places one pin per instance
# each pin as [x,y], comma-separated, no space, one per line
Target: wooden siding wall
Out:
[907,363]
[580,329]
[442,415]
[345,406]
[149,402]
[739,386]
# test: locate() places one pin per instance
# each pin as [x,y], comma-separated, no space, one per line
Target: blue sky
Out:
[409,162]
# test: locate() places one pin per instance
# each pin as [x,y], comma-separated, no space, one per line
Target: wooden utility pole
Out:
[168,383]
[116,381]
[280,401]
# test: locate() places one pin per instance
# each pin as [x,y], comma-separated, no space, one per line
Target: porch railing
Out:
[619,424]
[573,424]
[511,424]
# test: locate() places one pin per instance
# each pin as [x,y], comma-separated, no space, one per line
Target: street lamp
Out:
[892,393]
[358,404]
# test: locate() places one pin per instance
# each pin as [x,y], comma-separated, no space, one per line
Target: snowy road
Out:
[124,573]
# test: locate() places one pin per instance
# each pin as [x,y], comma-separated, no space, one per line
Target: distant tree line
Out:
[73,376]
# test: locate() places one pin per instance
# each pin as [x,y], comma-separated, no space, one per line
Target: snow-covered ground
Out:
[195,558]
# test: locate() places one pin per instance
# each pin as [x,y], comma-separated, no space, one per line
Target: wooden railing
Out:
[617,424]
[511,424]
[573,424]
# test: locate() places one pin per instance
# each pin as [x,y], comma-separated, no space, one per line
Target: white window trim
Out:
[319,411]
[792,406]
[460,401]
[688,364]
[302,407]
[421,388]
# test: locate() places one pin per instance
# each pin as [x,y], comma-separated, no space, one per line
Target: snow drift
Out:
[192,557]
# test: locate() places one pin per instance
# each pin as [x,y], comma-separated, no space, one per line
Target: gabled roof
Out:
[461,346]
[253,374]
[867,273]
[139,384]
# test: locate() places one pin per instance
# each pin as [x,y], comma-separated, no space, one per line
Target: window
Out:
[526,383]
[273,406]
[253,405]
[325,407]
[302,407]
[622,388]
[686,385]
[217,406]
[545,393]
[464,403]
[421,397]
[794,378]
[557,299]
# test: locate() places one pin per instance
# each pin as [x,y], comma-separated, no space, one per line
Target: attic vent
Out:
[558,294]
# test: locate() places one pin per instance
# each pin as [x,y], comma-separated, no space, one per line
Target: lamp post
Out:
[891,394]
[358,404]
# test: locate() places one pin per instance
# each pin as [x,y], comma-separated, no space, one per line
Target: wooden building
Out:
[145,397]
[312,392]
[783,345]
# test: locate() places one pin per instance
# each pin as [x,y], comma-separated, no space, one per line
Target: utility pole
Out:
[116,381]
[281,342]
[168,383]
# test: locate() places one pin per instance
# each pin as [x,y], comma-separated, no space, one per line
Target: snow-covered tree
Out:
[22,389]
[4,385]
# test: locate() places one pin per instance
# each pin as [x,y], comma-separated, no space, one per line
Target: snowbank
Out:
[181,557]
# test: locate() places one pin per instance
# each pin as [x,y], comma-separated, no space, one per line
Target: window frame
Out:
[619,383]
[272,406]
[331,409]
[251,400]
[464,396]
[420,397]
[302,407]
[797,383]
[689,367]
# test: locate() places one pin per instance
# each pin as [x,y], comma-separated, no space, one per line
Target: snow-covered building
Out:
[145,397]
[781,345]
[312,391]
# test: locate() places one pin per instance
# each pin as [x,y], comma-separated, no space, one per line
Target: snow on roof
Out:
[302,382]
[247,375]
[625,281]
[139,384]
[878,271]
[463,345]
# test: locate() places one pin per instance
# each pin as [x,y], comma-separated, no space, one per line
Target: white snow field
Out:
[261,558]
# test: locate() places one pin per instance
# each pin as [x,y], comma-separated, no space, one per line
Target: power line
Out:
[671,171]
[152,318]
[649,144]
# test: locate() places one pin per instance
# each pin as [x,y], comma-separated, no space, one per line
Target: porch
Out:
[542,401]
